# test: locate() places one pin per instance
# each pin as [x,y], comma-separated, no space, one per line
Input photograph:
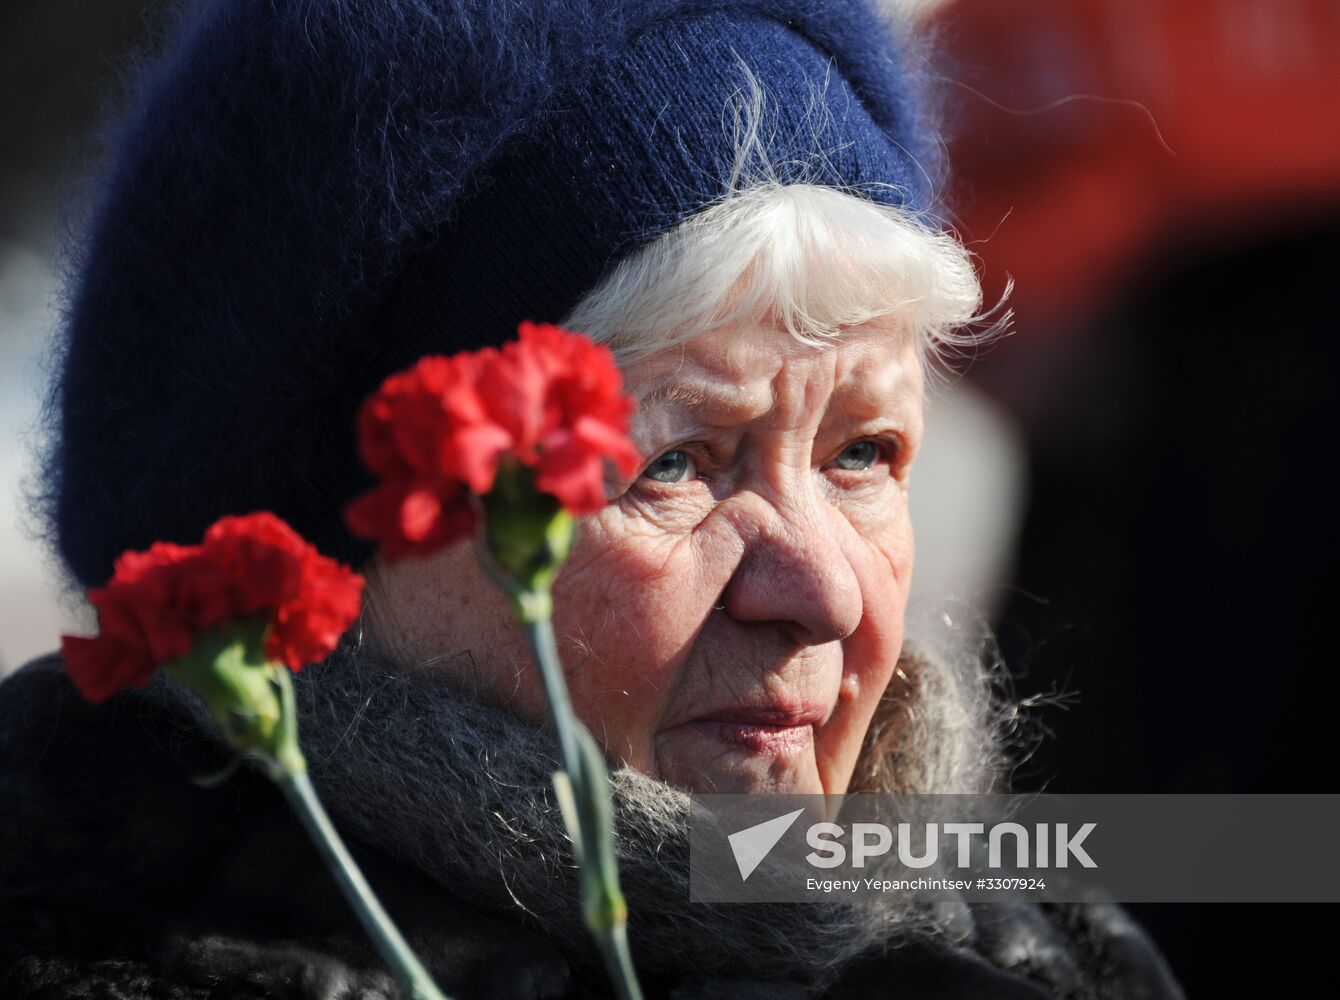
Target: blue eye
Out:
[670,467]
[858,456]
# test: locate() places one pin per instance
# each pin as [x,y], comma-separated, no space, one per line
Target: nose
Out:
[793,571]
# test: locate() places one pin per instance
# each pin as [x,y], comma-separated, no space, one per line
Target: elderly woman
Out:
[739,199]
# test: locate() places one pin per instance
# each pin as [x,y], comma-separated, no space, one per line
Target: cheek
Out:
[628,605]
[885,526]
[897,547]
[444,615]
[428,607]
[881,558]
[884,567]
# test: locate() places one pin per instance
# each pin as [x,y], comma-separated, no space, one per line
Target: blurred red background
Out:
[1103,134]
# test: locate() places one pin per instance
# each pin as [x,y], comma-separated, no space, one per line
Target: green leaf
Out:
[567,806]
[605,907]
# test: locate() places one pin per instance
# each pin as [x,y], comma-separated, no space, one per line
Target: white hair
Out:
[811,259]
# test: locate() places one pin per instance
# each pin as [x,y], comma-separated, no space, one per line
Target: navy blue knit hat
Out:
[301,198]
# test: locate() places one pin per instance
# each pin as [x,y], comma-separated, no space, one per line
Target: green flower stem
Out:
[527,535]
[297,788]
[540,633]
[584,794]
[252,700]
[619,961]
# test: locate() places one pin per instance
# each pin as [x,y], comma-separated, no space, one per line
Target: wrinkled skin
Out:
[755,570]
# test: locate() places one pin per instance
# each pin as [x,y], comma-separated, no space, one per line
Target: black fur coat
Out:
[120,878]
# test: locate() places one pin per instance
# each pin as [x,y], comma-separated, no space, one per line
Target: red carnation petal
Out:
[309,628]
[419,513]
[473,455]
[367,516]
[551,399]
[101,667]
[602,439]
[574,475]
[159,600]
[380,515]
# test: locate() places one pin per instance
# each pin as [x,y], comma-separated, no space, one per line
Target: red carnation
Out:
[551,400]
[160,600]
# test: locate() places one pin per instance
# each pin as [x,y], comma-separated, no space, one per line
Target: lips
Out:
[775,730]
[777,741]
[774,715]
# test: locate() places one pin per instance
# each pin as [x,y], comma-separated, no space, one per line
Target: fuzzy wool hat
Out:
[300,198]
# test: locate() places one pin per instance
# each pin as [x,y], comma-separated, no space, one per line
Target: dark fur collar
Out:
[115,869]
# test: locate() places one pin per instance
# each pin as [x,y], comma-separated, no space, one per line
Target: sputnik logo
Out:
[752,844]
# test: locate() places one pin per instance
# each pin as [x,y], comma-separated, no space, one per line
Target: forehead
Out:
[869,367]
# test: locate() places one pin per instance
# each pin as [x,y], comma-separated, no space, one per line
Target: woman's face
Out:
[729,621]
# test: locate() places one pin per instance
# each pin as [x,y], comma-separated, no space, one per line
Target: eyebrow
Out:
[686,395]
[675,392]
[697,397]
